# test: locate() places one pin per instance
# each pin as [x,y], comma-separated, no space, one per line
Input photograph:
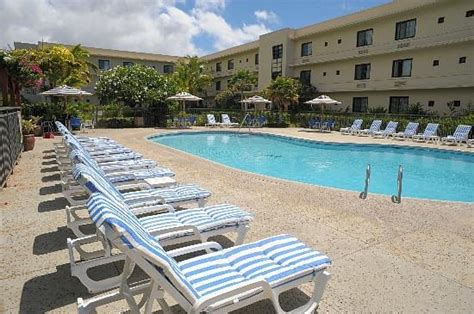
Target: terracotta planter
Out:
[28,142]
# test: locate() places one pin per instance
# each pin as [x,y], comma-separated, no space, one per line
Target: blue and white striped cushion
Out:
[411,128]
[462,132]
[179,193]
[95,182]
[205,218]
[273,259]
[375,126]
[104,211]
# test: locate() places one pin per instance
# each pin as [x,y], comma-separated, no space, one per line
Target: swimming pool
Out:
[428,173]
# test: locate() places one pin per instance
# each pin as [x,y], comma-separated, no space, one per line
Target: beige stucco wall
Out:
[382,98]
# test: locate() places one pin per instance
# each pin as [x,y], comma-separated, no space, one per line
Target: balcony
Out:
[452,80]
[454,36]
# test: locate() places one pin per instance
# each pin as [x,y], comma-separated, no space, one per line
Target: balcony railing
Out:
[453,36]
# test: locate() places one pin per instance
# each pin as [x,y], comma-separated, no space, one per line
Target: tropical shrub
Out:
[227,99]
[136,85]
[283,92]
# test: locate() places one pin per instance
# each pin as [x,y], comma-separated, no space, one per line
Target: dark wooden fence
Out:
[10,141]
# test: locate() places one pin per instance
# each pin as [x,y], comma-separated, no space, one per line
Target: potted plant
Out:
[27,128]
[38,130]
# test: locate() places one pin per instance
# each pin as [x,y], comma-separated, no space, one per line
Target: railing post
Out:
[363,194]
[398,198]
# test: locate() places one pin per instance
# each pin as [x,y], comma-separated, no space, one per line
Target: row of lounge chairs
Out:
[259,121]
[460,135]
[133,203]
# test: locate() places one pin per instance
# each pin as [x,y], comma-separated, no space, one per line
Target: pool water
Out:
[428,173]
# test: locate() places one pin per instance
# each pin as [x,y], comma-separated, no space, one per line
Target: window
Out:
[326,44]
[305,77]
[230,64]
[362,71]
[338,72]
[435,63]
[339,41]
[324,73]
[405,29]
[247,60]
[218,66]
[364,38]
[104,64]
[398,104]
[401,68]
[306,49]
[456,103]
[360,104]
[462,60]
[256,59]
[431,103]
[469,13]
[277,52]
[168,68]
[127,63]
[218,85]
[277,61]
[441,20]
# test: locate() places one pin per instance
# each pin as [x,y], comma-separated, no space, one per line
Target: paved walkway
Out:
[412,257]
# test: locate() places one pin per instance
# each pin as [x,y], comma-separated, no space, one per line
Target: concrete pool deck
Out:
[411,257]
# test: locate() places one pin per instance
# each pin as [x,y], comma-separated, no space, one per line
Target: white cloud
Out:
[157,26]
[266,16]
[210,5]
[224,34]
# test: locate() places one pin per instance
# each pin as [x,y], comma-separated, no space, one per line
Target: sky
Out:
[175,27]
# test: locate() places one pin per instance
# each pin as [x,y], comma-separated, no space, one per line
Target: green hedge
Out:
[447,125]
[116,123]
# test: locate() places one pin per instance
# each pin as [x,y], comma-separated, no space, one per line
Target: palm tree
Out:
[80,68]
[192,75]
[241,81]
[283,91]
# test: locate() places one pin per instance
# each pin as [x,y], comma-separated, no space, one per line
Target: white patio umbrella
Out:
[322,100]
[65,91]
[184,97]
[255,100]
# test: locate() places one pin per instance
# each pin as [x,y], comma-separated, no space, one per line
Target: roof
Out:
[111,53]
[254,45]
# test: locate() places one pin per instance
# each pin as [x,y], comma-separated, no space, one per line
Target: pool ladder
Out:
[248,123]
[395,198]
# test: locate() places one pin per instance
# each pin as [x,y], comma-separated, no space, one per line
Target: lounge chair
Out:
[409,132]
[389,130]
[221,281]
[92,181]
[226,121]
[166,225]
[211,121]
[354,128]
[470,142]
[461,134]
[374,127]
[314,123]
[430,134]
[328,125]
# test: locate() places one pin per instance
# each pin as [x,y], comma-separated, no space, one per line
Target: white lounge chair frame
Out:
[223,301]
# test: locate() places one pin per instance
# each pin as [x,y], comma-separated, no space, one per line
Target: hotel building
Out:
[390,56]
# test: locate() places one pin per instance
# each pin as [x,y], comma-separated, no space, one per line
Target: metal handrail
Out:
[243,120]
[398,198]
[363,194]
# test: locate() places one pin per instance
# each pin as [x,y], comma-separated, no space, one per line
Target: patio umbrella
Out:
[65,91]
[255,100]
[322,100]
[183,96]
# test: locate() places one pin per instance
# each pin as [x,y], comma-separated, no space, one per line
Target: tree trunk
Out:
[4,86]
[16,92]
